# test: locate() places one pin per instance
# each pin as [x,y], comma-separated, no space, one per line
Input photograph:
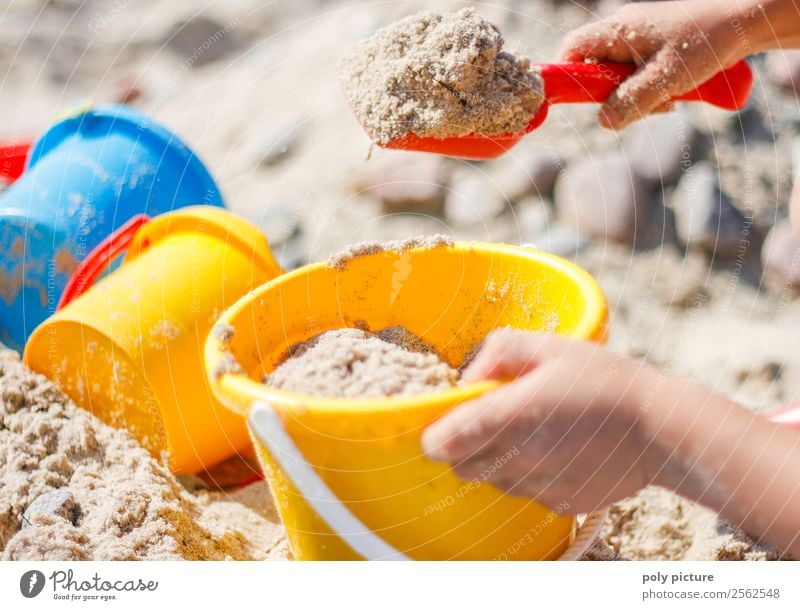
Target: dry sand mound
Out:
[349,362]
[440,75]
[72,488]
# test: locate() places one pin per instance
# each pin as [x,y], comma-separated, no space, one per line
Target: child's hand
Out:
[678,44]
[581,428]
[570,422]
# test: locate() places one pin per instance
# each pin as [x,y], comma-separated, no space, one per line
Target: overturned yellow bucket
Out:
[130,348]
[348,475]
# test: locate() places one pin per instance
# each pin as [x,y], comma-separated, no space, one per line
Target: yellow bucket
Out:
[348,475]
[130,348]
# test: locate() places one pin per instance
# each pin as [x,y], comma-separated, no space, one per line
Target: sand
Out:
[341,259]
[353,363]
[656,524]
[223,332]
[226,364]
[439,75]
[74,488]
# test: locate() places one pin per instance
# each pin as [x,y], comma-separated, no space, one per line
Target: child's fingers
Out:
[590,41]
[541,485]
[623,37]
[648,89]
[664,108]
[473,428]
[504,354]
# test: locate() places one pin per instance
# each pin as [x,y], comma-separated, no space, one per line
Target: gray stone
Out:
[662,147]
[751,126]
[406,182]
[192,483]
[780,254]
[705,217]
[473,199]
[559,240]
[534,217]
[59,502]
[291,254]
[279,140]
[528,172]
[279,221]
[783,68]
[202,40]
[126,90]
[658,226]
[601,196]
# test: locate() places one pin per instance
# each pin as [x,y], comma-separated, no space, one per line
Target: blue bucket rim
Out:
[122,117]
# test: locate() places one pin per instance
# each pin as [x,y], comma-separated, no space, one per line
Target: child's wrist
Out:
[737,28]
[656,415]
[682,424]
[761,25]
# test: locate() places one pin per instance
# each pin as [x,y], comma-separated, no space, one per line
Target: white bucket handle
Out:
[269,429]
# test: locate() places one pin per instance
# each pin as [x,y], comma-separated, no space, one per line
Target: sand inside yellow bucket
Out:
[350,362]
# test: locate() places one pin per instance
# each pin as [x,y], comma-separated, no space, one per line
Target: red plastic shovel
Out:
[575,82]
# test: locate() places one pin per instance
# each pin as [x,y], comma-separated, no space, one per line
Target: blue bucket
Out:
[86,176]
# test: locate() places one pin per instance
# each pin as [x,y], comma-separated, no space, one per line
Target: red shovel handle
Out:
[583,82]
[100,258]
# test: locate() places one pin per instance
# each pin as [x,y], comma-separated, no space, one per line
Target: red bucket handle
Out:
[100,258]
[12,160]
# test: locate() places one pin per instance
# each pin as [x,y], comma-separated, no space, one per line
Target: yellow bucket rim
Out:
[220,222]
[235,389]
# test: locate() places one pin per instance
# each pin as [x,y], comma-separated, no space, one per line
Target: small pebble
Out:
[534,217]
[201,40]
[559,240]
[783,68]
[705,217]
[406,183]
[279,140]
[527,172]
[279,221]
[59,502]
[126,91]
[661,148]
[780,254]
[291,254]
[750,126]
[473,199]
[192,483]
[601,196]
